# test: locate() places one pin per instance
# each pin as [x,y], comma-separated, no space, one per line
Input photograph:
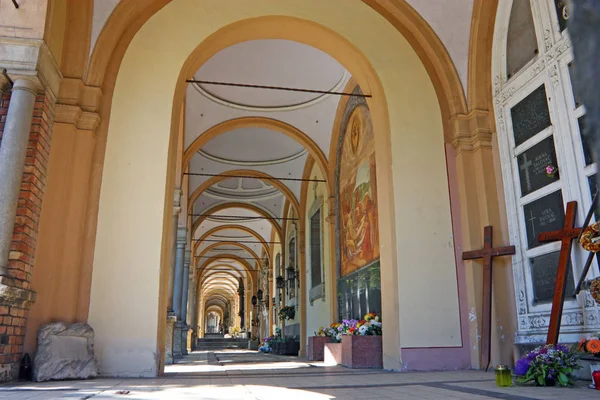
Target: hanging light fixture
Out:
[280,282]
[254,301]
[259,294]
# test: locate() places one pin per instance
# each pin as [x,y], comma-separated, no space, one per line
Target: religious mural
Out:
[359,238]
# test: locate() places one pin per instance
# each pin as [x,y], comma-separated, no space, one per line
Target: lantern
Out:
[254,301]
[280,282]
[259,294]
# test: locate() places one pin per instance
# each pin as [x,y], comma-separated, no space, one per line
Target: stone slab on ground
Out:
[65,352]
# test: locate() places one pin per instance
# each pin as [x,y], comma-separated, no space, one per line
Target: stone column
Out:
[12,160]
[178,290]
[171,319]
[184,302]
[176,211]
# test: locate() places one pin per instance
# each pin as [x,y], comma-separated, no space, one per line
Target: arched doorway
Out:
[408,131]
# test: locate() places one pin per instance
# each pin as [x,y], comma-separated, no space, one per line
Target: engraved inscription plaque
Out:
[530,115]
[532,166]
[543,277]
[543,215]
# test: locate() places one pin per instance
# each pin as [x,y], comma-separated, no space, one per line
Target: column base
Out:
[185,333]
[177,340]
[171,319]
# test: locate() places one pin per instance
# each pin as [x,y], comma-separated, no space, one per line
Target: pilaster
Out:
[480,192]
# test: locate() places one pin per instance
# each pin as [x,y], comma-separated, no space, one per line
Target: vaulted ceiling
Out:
[259,162]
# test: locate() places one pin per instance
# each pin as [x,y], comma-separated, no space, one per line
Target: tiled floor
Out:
[232,374]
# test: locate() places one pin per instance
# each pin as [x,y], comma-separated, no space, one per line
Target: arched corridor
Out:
[202,188]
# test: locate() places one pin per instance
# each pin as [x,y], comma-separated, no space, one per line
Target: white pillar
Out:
[13,149]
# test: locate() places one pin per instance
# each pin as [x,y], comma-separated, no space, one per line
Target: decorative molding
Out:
[288,107]
[256,163]
[473,131]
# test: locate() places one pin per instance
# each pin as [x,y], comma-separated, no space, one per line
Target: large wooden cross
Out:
[566,236]
[487,253]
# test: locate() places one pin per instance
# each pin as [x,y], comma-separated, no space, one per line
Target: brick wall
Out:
[16,298]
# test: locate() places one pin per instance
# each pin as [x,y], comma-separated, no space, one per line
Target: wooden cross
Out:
[487,253]
[566,236]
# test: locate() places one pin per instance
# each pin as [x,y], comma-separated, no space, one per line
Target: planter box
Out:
[332,353]
[362,352]
[316,347]
[253,344]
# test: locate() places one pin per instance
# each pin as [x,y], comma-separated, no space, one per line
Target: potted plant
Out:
[287,313]
[361,342]
[316,344]
[547,366]
[265,347]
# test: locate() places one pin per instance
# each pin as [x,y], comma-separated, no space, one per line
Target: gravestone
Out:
[65,352]
[543,215]
[530,116]
[532,166]
[543,276]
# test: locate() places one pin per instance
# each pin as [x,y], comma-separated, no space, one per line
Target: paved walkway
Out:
[239,374]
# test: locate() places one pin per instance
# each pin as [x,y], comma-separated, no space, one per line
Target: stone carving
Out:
[65,352]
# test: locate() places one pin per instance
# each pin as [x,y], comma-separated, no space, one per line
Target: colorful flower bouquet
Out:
[369,326]
[548,365]
[590,345]
[551,171]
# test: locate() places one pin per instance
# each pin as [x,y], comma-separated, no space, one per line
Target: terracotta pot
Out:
[362,351]
[316,348]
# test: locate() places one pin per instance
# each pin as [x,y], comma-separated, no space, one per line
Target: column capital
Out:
[473,131]
[177,197]
[181,235]
[187,258]
[31,59]
[176,211]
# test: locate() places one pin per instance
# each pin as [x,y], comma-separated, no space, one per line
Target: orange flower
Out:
[593,346]
[581,344]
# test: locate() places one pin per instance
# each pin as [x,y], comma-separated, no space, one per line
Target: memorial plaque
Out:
[543,276]
[69,348]
[360,292]
[530,116]
[562,12]
[532,166]
[543,215]
[587,151]
[521,39]
[576,96]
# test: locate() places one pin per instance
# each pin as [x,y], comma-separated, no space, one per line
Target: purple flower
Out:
[522,366]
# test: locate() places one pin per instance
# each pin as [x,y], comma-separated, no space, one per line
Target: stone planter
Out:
[362,351]
[253,344]
[332,353]
[316,347]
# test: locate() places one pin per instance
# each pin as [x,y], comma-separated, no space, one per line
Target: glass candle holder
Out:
[503,376]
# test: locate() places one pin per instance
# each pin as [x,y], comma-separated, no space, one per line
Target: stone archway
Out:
[352,47]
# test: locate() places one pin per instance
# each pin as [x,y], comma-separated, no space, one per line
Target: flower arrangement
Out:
[370,325]
[551,171]
[264,347]
[287,312]
[547,365]
[590,345]
[277,332]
